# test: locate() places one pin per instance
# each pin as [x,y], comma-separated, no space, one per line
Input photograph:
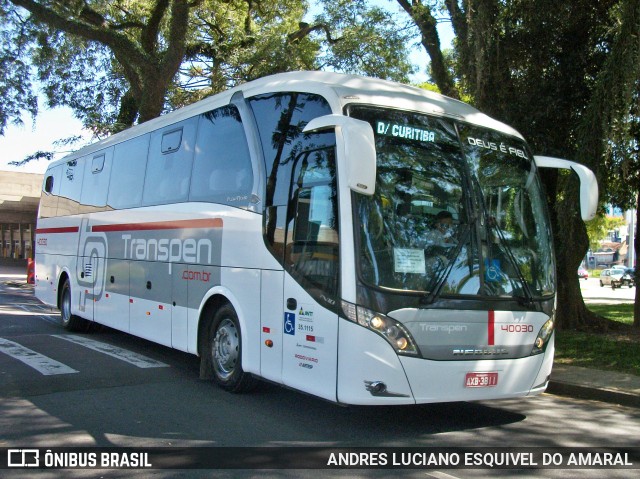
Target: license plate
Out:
[481,380]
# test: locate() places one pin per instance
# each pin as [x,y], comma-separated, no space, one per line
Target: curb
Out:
[597,394]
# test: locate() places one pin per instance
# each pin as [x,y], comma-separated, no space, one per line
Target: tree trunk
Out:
[571,242]
[636,306]
[152,101]
[426,23]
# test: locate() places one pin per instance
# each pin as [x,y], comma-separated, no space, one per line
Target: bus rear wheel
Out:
[70,322]
[224,350]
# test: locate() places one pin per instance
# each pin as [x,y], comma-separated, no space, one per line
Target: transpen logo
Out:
[170,250]
[443,328]
[89,270]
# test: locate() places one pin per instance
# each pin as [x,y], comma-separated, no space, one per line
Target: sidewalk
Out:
[566,380]
[586,383]
[13,269]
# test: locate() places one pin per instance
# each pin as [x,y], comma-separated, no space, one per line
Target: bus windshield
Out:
[458,210]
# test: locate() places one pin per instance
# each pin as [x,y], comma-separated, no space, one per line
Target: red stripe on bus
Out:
[491,328]
[62,229]
[160,225]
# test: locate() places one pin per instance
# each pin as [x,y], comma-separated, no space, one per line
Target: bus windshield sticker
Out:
[407,132]
[408,260]
[491,145]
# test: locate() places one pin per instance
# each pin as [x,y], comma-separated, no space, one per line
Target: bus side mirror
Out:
[588,183]
[359,149]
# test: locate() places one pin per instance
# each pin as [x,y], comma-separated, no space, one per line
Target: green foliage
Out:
[599,227]
[622,157]
[16,85]
[118,62]
[237,41]
[82,75]
[365,40]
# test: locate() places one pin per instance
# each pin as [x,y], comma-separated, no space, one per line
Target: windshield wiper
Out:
[442,279]
[527,299]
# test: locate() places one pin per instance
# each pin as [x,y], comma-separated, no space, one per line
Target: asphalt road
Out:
[107,388]
[592,292]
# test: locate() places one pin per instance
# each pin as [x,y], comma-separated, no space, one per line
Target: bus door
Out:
[310,323]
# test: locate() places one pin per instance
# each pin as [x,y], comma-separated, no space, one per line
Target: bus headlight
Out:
[390,329]
[540,344]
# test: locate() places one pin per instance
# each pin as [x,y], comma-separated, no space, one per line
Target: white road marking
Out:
[441,475]
[37,361]
[43,312]
[130,357]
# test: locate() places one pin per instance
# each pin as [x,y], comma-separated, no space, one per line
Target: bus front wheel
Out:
[224,351]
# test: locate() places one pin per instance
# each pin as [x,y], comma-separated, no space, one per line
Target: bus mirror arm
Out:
[588,183]
[358,156]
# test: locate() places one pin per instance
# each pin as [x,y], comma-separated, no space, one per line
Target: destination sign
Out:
[407,132]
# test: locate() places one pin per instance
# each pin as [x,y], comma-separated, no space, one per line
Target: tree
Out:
[120,62]
[115,62]
[599,228]
[367,40]
[623,174]
[614,113]
[147,40]
[426,21]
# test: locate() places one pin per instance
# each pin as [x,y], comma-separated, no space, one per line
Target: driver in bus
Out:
[442,233]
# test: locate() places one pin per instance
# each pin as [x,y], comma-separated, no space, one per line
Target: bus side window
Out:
[51,188]
[280,118]
[71,187]
[48,185]
[171,141]
[311,253]
[95,186]
[222,170]
[129,163]
[168,172]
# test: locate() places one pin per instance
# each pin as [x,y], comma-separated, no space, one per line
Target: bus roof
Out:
[337,88]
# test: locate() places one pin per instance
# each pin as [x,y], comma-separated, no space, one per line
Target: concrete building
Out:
[19,199]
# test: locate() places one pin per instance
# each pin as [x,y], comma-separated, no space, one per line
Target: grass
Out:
[613,351]
[622,312]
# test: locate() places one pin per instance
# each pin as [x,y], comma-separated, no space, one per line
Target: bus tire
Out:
[224,352]
[70,322]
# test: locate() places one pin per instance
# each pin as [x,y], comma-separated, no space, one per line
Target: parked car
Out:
[583,273]
[616,277]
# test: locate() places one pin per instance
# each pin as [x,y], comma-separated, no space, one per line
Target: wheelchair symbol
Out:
[290,323]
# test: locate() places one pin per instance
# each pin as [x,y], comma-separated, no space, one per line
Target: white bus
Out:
[359,240]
